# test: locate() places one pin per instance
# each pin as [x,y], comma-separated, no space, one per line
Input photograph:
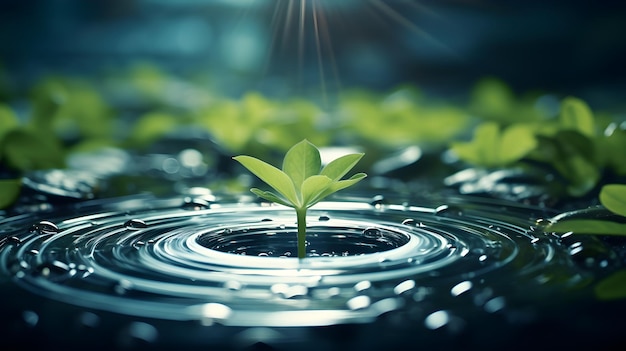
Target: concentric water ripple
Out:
[232,262]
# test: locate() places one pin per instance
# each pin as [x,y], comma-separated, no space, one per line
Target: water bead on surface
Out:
[135,224]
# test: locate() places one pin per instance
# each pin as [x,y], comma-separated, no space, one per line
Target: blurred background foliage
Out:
[529,86]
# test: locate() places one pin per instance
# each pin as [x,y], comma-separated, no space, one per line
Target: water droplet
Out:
[495,304]
[15,240]
[195,204]
[408,221]
[437,320]
[17,267]
[44,227]
[334,291]
[214,312]
[377,201]
[372,232]
[135,224]
[123,286]
[55,270]
[89,320]
[30,318]
[289,292]
[542,223]
[362,285]
[446,210]
[461,288]
[323,218]
[359,302]
[232,285]
[403,287]
[138,333]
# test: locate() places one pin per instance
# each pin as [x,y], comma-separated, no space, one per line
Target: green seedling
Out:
[302,182]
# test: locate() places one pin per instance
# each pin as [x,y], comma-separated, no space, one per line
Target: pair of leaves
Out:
[300,184]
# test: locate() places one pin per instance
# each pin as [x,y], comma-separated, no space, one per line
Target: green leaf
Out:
[270,196]
[576,115]
[491,147]
[588,226]
[8,120]
[152,126]
[340,185]
[9,191]
[271,175]
[613,287]
[516,142]
[312,187]
[613,197]
[25,150]
[340,166]
[301,162]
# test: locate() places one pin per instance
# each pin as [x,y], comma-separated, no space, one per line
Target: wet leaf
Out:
[613,197]
[9,191]
[613,287]
[588,226]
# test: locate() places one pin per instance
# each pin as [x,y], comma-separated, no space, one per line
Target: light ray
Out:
[404,21]
[318,45]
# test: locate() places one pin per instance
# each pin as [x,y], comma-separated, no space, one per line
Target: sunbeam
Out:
[303,35]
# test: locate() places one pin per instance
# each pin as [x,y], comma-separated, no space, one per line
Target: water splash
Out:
[231,263]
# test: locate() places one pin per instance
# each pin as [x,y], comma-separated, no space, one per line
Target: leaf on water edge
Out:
[613,287]
[9,191]
[613,197]
[337,168]
[576,115]
[588,226]
[271,175]
[301,162]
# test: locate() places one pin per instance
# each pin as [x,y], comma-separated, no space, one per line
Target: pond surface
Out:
[220,271]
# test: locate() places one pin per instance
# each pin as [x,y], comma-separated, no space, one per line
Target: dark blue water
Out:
[220,271]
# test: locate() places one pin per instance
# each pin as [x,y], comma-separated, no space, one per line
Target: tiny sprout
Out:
[302,182]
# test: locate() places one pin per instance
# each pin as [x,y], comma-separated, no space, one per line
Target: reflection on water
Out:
[229,263]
